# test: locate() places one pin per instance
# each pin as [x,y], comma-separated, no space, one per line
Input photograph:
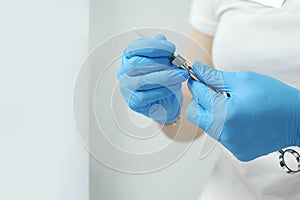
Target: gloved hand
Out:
[262,114]
[149,83]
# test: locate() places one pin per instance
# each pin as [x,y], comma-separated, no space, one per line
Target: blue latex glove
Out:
[149,83]
[262,114]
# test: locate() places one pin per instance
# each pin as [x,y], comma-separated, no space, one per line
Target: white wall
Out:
[186,178]
[42,44]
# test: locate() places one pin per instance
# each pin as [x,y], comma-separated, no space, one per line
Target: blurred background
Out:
[43,44]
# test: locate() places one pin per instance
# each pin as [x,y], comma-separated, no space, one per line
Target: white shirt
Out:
[252,36]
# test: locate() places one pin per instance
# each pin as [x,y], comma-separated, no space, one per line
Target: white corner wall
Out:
[42,44]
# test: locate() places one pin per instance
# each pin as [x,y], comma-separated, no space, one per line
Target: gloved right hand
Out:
[149,83]
[261,115]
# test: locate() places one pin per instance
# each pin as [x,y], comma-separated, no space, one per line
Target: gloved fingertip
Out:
[200,67]
[184,73]
[127,54]
[209,76]
[160,37]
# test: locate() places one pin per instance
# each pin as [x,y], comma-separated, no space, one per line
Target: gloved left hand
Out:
[262,114]
[149,82]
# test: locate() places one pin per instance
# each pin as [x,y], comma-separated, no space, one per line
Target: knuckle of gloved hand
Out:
[142,66]
[131,66]
[160,37]
[137,103]
[162,40]
[150,48]
[136,83]
[132,63]
[139,109]
[169,77]
[139,99]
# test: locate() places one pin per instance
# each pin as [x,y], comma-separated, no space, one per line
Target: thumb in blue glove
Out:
[262,114]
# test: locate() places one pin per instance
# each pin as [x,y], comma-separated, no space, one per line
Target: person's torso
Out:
[254,37]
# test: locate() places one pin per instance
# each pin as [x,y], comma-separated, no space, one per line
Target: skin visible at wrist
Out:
[182,129]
